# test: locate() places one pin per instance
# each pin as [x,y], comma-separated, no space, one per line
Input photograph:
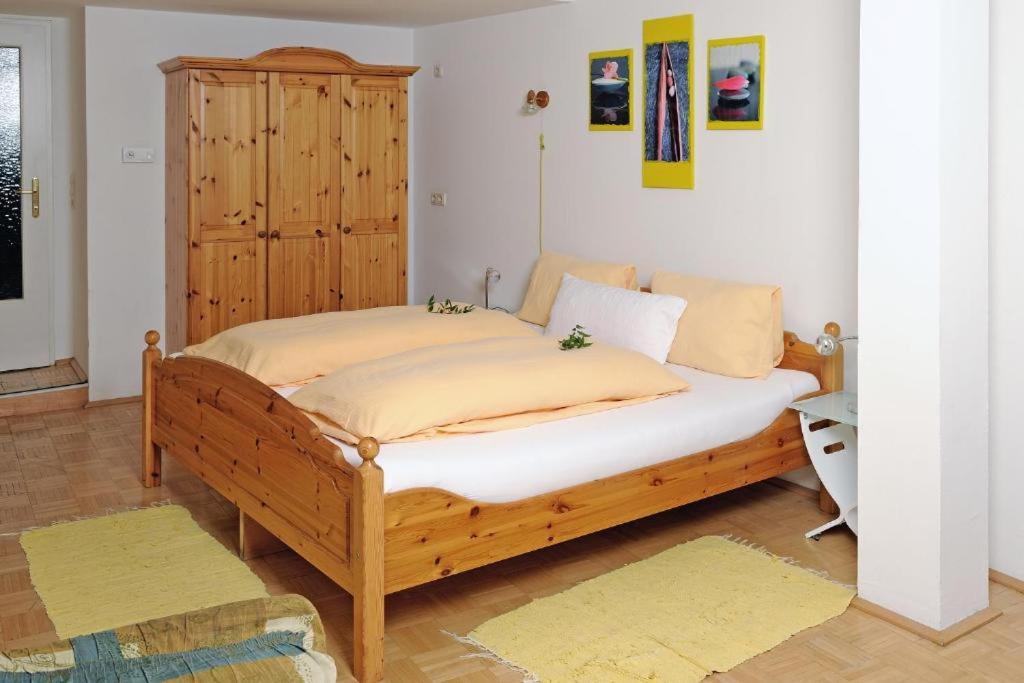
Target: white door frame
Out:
[45,174]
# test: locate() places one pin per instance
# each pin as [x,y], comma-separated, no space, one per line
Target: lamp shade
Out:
[826,345]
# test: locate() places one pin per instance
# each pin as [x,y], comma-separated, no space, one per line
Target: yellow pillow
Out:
[547,278]
[728,328]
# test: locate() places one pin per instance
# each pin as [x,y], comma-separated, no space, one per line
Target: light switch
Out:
[438,71]
[136,155]
[438,198]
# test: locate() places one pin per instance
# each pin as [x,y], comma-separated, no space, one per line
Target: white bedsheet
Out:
[504,466]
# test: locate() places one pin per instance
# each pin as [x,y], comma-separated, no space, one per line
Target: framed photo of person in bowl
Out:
[611,90]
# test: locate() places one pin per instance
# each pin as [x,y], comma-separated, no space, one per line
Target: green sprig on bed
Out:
[577,339]
[446,307]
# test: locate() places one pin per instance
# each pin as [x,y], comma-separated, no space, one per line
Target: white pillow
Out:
[621,317]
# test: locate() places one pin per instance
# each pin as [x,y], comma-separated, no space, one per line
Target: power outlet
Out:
[438,199]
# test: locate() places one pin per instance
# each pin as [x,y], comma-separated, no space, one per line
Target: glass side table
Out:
[833,451]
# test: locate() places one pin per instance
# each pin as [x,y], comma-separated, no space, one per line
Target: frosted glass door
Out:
[25,218]
[12,285]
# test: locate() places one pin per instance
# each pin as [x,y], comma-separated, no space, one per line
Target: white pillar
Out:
[923,299]
[1007,324]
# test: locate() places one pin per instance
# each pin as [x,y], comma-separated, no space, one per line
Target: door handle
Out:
[34,191]
[274,234]
[347,229]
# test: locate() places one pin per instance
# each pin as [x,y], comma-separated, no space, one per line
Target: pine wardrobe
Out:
[287,188]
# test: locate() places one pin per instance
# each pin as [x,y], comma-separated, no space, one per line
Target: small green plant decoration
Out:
[577,339]
[446,307]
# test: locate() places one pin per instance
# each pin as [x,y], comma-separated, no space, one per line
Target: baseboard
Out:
[44,401]
[113,401]
[1006,580]
[943,637]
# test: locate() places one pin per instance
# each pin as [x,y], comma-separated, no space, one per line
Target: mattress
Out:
[499,467]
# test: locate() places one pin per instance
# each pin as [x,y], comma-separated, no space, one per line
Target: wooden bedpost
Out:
[832,374]
[368,565]
[150,451]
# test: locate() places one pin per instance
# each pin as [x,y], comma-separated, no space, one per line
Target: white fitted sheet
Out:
[510,465]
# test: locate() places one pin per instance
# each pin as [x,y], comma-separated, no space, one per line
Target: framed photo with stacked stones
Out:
[736,83]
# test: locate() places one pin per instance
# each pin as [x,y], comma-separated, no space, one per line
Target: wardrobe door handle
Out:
[319,232]
[261,234]
[274,234]
[347,229]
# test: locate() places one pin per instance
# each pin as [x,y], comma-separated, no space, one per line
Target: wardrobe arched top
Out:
[294,59]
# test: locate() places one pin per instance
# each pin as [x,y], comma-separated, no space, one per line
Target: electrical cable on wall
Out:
[540,218]
[536,102]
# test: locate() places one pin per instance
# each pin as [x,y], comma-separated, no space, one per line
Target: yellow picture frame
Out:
[669,174]
[626,54]
[714,123]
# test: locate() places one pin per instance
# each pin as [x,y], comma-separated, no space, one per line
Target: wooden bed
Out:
[264,455]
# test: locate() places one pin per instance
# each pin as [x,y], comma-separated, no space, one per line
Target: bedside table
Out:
[837,469]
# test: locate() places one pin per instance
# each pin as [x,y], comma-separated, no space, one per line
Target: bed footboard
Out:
[264,455]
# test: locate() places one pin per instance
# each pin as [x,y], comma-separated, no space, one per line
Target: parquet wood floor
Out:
[83,462]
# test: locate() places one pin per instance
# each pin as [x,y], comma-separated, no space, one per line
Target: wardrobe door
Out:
[304,170]
[374,175]
[227,200]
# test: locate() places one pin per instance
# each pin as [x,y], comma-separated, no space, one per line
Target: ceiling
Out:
[408,13]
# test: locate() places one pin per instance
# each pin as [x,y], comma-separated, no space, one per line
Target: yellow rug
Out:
[697,608]
[102,573]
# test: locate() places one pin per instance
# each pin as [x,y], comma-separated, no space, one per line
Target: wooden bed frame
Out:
[265,456]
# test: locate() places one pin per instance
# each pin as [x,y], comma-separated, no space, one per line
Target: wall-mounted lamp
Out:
[491,276]
[535,101]
[828,343]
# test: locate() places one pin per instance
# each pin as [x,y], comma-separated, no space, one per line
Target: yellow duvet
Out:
[293,350]
[480,386]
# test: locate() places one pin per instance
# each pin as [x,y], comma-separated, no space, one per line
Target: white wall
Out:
[775,206]
[1007,283]
[125,106]
[923,413]
[70,302]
